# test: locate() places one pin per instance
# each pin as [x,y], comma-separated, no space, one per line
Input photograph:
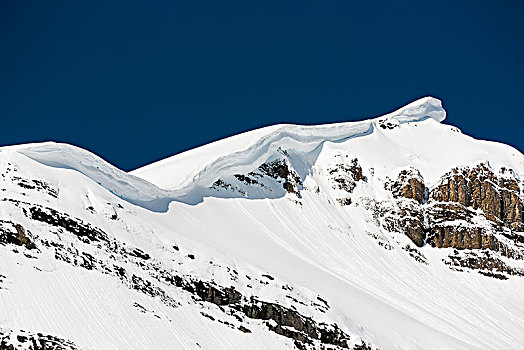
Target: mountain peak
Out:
[421,109]
[359,235]
[242,152]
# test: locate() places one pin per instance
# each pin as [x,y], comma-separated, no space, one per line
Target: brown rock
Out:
[480,188]
[461,238]
[409,217]
[409,184]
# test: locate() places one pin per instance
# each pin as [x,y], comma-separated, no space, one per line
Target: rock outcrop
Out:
[470,208]
[11,340]
[281,171]
[344,177]
[273,178]
[14,234]
[407,215]
[498,196]
[409,184]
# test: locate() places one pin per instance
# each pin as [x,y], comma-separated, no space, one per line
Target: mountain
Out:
[398,232]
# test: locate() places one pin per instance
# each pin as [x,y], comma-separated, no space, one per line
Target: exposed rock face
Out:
[344,177]
[499,197]
[216,295]
[388,124]
[459,197]
[82,230]
[35,184]
[461,238]
[450,216]
[485,261]
[409,184]
[305,329]
[469,208]
[14,234]
[407,215]
[11,340]
[279,169]
[269,178]
[452,225]
[286,322]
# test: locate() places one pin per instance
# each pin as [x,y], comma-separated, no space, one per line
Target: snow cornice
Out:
[421,109]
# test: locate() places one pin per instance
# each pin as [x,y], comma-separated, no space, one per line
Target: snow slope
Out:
[422,142]
[283,247]
[238,153]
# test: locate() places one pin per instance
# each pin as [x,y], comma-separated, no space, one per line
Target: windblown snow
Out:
[270,212]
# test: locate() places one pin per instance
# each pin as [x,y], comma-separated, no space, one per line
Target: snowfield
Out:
[278,213]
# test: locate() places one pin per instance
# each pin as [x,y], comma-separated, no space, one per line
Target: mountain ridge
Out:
[427,107]
[202,173]
[410,236]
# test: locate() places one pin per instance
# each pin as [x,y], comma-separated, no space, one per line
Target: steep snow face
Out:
[238,154]
[296,237]
[410,136]
[186,176]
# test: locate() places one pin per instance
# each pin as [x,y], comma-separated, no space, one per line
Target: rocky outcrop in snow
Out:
[24,340]
[498,196]
[395,232]
[471,208]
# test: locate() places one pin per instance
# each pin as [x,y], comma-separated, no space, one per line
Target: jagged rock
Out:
[35,184]
[452,226]
[280,169]
[265,179]
[244,329]
[461,238]
[450,216]
[415,254]
[407,218]
[485,262]
[409,184]
[14,234]
[73,225]
[362,346]
[344,177]
[220,184]
[480,188]
[388,124]
[144,286]
[215,295]
[305,329]
[407,215]
[246,179]
[11,340]
[467,210]
[140,254]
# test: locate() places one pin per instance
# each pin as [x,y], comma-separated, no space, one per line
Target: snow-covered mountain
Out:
[398,232]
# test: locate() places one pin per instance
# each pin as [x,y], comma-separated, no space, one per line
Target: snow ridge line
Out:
[300,138]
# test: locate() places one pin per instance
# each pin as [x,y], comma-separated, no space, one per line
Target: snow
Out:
[424,108]
[422,142]
[124,185]
[318,247]
[237,154]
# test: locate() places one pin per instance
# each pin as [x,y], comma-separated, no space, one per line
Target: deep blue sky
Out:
[135,81]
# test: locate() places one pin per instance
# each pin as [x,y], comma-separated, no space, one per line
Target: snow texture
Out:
[311,246]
